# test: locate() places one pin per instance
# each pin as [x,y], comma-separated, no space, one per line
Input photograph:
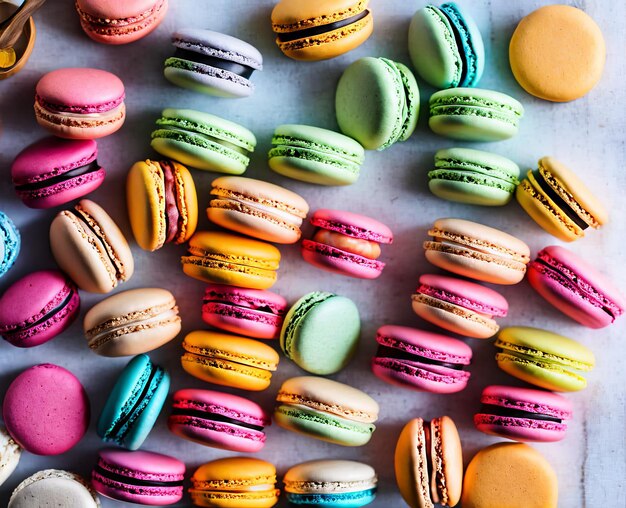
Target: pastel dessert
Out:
[421,360]
[132,322]
[446,47]
[320,30]
[203,141]
[46,410]
[459,306]
[473,177]
[219,420]
[346,243]
[88,245]
[54,487]
[134,403]
[331,483]
[315,155]
[543,358]
[473,114]
[10,453]
[575,287]
[9,243]
[162,203]
[559,201]
[327,410]
[251,312]
[523,414]
[477,251]
[145,478]
[37,308]
[428,462]
[212,63]
[257,208]
[80,103]
[53,171]
[321,332]
[229,360]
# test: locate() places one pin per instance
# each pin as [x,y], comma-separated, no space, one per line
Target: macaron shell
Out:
[10,453]
[329,477]
[340,261]
[447,457]
[419,376]
[410,465]
[352,224]
[53,487]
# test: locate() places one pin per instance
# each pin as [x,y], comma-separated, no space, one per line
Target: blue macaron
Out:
[9,243]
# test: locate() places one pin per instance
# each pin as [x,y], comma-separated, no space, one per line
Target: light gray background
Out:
[587,134]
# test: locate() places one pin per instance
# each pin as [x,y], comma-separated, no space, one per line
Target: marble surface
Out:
[587,134]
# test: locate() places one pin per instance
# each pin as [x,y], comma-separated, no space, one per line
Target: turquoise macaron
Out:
[474,177]
[134,403]
[9,243]
[203,141]
[315,155]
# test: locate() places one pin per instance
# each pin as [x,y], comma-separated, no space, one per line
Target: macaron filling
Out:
[173,217]
[531,356]
[81,110]
[460,301]
[442,103]
[84,167]
[469,68]
[102,471]
[240,264]
[358,246]
[321,29]
[508,412]
[386,352]
[281,213]
[182,56]
[339,497]
[115,26]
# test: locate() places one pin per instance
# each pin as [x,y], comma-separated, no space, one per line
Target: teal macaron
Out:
[203,141]
[134,403]
[474,114]
[9,243]
[315,155]
[473,177]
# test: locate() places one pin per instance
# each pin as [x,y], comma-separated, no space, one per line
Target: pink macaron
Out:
[459,306]
[80,103]
[523,414]
[575,287]
[219,420]
[53,171]
[37,308]
[346,243]
[139,477]
[421,360]
[250,312]
[46,410]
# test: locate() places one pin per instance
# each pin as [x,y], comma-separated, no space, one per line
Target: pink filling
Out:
[172,215]
[461,301]
[81,109]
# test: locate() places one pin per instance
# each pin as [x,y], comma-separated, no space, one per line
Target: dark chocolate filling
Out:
[265,308]
[318,30]
[242,70]
[57,309]
[492,409]
[92,167]
[388,352]
[135,481]
[195,413]
[558,200]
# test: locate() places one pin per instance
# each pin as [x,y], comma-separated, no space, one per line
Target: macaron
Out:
[9,243]
[134,403]
[346,243]
[543,358]
[315,155]
[473,177]
[212,63]
[256,208]
[54,487]
[459,306]
[162,203]
[145,478]
[575,287]
[80,103]
[559,201]
[88,245]
[421,360]
[203,141]
[473,114]
[53,171]
[132,322]
[428,462]
[377,102]
[327,410]
[37,308]
[229,360]
[331,483]
[251,312]
[477,251]
[120,22]
[46,410]
[446,47]
[313,31]
[224,258]
[523,414]
[219,420]
[321,332]
[10,453]
[557,53]
[233,482]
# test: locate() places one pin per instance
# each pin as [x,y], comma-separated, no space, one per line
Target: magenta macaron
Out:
[54,171]
[523,414]
[220,420]
[421,360]
[575,287]
[139,477]
[37,308]
[346,243]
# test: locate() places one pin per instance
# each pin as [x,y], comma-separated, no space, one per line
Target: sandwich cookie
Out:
[9,243]
[54,487]
[10,453]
